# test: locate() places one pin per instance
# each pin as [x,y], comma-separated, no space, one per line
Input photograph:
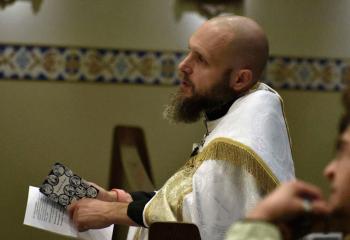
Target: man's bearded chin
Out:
[190,109]
[184,109]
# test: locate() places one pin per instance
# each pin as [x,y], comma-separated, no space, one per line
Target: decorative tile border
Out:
[153,67]
[307,73]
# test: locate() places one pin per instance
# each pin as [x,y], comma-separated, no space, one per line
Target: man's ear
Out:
[242,80]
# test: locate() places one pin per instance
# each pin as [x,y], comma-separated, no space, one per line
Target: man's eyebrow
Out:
[200,52]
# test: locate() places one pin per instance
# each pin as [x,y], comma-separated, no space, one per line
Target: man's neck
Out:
[219,111]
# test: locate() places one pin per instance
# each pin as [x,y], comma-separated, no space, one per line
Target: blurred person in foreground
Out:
[296,208]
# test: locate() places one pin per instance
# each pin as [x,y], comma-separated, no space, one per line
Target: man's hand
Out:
[94,214]
[288,201]
[115,195]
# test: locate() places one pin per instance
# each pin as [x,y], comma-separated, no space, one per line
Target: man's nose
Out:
[185,65]
[329,170]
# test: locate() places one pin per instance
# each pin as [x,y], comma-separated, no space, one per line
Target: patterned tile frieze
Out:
[307,73]
[25,62]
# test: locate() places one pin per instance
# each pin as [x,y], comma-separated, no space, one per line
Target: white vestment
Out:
[246,154]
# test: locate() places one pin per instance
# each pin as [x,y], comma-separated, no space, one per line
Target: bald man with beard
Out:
[244,154]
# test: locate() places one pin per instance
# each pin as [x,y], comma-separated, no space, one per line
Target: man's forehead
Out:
[210,40]
[214,32]
[197,46]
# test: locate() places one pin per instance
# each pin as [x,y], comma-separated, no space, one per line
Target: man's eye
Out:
[201,59]
[340,152]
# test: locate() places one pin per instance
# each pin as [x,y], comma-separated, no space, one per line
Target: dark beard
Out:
[190,109]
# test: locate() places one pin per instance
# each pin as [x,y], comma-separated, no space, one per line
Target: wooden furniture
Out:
[129,145]
[127,136]
[173,231]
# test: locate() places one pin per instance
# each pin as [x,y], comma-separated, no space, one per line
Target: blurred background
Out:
[70,119]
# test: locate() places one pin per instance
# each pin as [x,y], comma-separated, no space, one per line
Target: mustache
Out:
[185,78]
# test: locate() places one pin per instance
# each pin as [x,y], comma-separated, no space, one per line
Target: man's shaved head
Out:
[248,42]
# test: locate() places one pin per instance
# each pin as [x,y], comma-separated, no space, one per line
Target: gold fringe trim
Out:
[167,204]
[241,155]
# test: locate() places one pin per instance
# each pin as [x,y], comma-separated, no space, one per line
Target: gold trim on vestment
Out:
[242,155]
[166,205]
[285,120]
[138,233]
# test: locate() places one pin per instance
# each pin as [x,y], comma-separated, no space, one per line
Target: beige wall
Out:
[130,24]
[313,28]
[313,119]
[45,122]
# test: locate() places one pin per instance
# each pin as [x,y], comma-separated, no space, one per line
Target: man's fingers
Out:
[95,185]
[77,221]
[320,207]
[306,190]
[71,208]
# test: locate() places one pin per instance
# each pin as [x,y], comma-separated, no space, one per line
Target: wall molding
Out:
[99,65]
